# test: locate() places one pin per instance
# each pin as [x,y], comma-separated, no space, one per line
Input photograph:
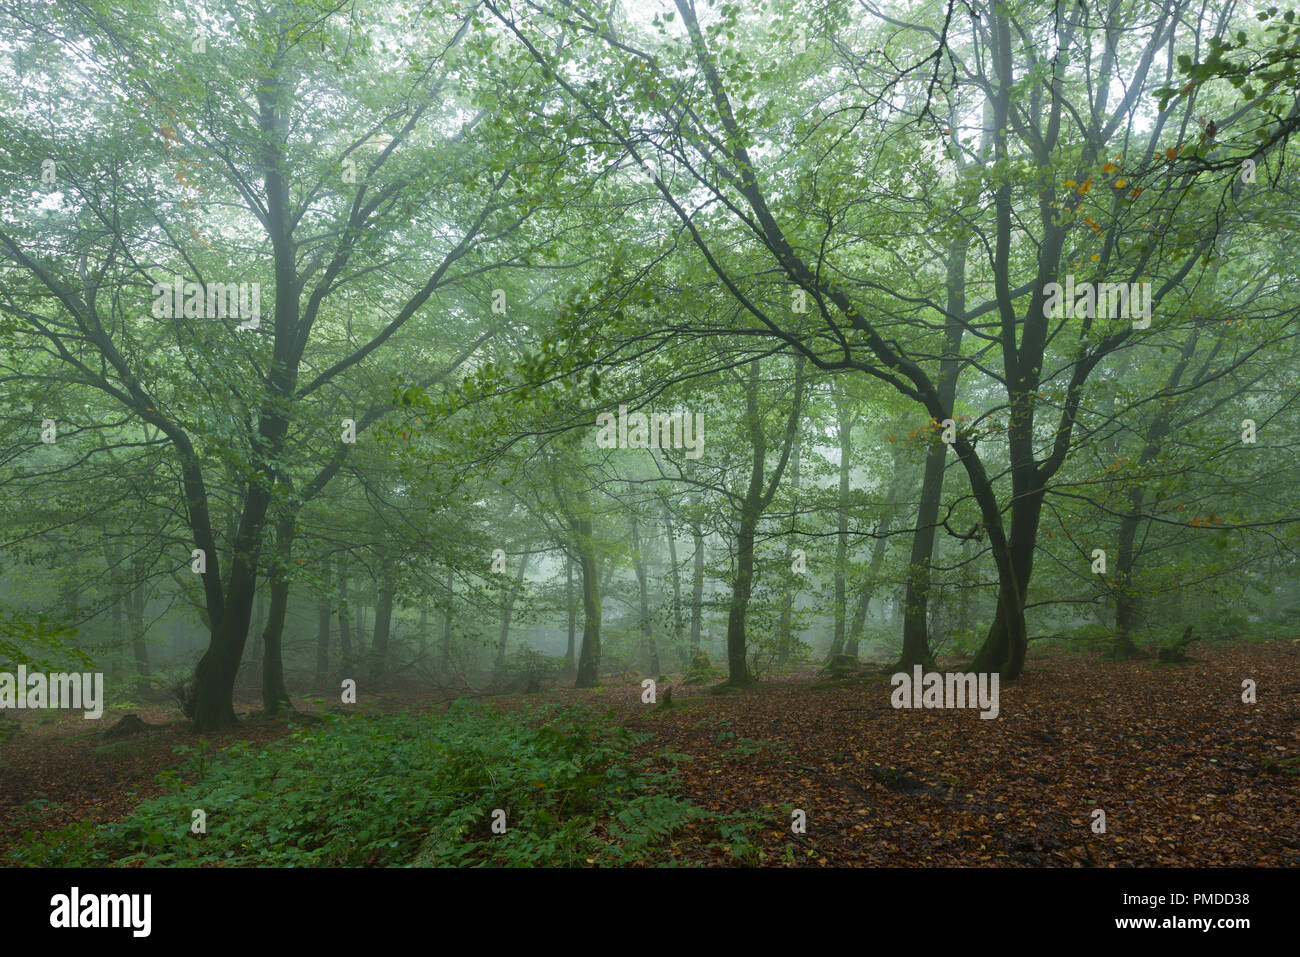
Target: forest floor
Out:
[64,769]
[1186,773]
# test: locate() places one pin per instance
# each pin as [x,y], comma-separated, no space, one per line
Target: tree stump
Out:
[126,726]
[1177,651]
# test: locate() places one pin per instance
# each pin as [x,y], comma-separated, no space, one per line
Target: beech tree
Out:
[330,185]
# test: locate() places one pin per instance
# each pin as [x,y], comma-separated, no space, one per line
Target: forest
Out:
[625,433]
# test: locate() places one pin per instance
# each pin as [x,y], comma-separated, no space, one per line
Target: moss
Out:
[119,750]
[701,670]
[1176,651]
[840,666]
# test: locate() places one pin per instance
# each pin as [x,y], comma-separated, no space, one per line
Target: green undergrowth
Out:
[401,790]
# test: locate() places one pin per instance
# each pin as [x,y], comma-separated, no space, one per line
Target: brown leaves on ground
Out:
[1186,773]
[75,773]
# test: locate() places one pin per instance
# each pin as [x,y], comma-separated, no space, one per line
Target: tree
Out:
[329,210]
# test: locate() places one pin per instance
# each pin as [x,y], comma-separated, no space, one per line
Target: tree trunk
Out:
[1126,614]
[916,637]
[842,531]
[697,589]
[215,674]
[444,663]
[112,570]
[362,626]
[859,622]
[589,655]
[785,628]
[119,638]
[323,627]
[738,674]
[259,619]
[257,626]
[964,605]
[570,601]
[755,501]
[1004,648]
[345,624]
[647,632]
[1005,645]
[383,619]
[135,613]
[679,625]
[507,610]
[273,690]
